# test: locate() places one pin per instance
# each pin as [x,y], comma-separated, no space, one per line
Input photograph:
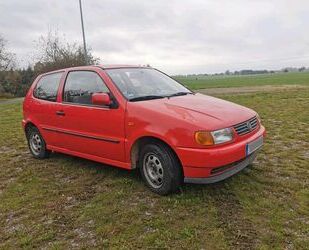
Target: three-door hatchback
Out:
[138,117]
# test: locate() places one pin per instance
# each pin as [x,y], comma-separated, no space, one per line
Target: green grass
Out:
[201,82]
[67,202]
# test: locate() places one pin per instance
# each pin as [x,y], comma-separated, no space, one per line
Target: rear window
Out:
[47,87]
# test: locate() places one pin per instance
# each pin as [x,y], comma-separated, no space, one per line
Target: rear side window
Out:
[47,87]
[80,85]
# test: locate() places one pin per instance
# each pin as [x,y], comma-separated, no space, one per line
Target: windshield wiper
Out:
[179,94]
[146,97]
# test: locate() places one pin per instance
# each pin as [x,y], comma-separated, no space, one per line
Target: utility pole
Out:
[84,39]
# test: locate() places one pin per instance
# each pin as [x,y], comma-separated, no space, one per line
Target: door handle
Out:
[60,112]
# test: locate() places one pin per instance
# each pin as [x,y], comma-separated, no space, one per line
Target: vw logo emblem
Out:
[249,126]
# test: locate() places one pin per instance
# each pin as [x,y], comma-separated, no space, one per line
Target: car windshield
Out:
[138,84]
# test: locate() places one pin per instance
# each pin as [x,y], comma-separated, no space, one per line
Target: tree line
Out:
[249,72]
[52,53]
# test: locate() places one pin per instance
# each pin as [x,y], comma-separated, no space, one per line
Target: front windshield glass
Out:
[135,83]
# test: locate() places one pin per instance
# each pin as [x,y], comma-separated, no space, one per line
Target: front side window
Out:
[47,87]
[142,83]
[80,85]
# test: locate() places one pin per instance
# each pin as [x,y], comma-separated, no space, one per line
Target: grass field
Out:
[67,202]
[245,80]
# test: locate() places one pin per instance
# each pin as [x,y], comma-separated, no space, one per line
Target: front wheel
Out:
[36,143]
[160,168]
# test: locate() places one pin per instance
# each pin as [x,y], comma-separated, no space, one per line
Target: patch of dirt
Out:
[239,231]
[306,155]
[251,89]
[7,150]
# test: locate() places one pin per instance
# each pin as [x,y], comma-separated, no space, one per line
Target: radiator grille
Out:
[246,126]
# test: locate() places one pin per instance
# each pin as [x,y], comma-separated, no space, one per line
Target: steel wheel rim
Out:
[153,170]
[35,144]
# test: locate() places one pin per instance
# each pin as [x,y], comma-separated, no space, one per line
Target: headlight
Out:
[215,137]
[222,135]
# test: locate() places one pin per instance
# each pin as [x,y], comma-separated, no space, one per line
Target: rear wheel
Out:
[160,168]
[36,143]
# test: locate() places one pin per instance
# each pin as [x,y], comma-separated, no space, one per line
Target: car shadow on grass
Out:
[134,175]
[99,168]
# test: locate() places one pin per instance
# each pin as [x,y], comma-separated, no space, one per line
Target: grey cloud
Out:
[177,36]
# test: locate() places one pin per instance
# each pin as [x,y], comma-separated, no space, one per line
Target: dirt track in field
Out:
[251,89]
[11,100]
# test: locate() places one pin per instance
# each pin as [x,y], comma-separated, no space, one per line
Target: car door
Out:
[44,107]
[86,128]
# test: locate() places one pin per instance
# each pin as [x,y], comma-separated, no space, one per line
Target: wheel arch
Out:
[28,125]
[139,142]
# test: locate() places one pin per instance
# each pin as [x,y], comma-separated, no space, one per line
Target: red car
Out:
[138,117]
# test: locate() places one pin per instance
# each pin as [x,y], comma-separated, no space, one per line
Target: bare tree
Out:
[6,58]
[55,53]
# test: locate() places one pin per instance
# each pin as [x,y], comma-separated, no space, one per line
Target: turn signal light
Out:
[204,138]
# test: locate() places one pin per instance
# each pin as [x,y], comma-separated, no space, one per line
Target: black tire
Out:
[36,144]
[159,158]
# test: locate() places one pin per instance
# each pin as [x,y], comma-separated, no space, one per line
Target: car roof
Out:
[118,66]
[102,66]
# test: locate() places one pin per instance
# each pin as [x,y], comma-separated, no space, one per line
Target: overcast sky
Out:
[176,36]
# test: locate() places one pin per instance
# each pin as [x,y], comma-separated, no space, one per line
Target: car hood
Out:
[203,111]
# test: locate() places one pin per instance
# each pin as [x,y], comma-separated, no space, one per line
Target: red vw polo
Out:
[138,117]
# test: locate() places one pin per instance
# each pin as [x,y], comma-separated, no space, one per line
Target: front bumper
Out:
[203,162]
[232,170]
